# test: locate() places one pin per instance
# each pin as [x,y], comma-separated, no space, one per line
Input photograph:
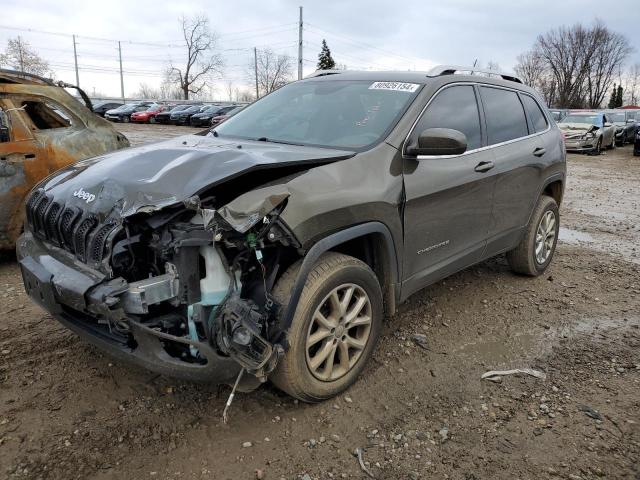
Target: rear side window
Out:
[535,113]
[45,116]
[456,108]
[504,115]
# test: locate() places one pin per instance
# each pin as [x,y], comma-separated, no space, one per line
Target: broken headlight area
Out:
[198,282]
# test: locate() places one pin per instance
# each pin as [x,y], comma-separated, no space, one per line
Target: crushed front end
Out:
[182,290]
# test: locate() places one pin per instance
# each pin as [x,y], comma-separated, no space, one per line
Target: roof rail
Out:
[452,69]
[323,73]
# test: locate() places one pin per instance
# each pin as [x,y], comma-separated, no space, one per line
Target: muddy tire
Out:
[339,316]
[535,251]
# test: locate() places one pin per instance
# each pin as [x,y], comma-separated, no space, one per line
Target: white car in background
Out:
[587,132]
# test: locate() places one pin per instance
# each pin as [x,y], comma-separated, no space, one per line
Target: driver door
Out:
[449,198]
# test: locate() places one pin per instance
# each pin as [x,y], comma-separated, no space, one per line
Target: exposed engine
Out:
[200,283]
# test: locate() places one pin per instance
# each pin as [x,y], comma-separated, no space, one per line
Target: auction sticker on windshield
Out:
[397,86]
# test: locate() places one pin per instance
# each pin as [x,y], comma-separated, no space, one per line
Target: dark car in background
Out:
[103,106]
[218,119]
[123,113]
[182,117]
[273,246]
[203,118]
[624,124]
[148,115]
[165,117]
[636,143]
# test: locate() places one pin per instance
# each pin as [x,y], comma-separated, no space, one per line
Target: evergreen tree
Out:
[619,97]
[325,60]
[614,97]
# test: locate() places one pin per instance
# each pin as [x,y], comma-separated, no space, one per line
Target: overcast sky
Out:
[371,34]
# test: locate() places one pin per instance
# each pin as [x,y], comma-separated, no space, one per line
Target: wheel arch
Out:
[370,242]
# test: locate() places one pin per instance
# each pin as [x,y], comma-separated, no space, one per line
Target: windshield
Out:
[178,108]
[337,113]
[586,119]
[618,117]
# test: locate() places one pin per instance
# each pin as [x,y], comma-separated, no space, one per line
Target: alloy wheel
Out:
[339,332]
[545,237]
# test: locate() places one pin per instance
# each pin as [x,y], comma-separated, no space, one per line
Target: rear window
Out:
[504,115]
[535,113]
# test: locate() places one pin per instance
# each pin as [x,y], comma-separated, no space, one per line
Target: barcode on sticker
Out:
[397,86]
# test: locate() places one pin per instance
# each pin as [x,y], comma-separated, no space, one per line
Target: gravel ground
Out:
[419,411]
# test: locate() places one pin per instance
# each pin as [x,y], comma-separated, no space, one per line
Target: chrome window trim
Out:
[475,150]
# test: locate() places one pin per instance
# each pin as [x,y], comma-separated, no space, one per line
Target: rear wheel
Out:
[126,119]
[335,328]
[152,120]
[535,251]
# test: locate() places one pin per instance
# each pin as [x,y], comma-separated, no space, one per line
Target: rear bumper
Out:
[71,291]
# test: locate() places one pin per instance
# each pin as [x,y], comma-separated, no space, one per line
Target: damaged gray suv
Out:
[271,247]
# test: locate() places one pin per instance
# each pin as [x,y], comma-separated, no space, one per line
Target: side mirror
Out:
[439,141]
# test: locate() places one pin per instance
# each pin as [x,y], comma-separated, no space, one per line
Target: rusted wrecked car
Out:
[42,129]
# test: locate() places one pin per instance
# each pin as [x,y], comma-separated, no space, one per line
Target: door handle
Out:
[484,167]
[538,152]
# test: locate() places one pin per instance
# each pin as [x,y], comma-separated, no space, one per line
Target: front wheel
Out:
[335,328]
[126,119]
[533,254]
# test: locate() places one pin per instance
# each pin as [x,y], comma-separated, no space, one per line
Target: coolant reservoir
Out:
[214,286]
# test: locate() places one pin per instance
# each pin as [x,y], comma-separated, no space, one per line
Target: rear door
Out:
[448,198]
[519,156]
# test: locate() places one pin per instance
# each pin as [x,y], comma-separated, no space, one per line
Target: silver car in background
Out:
[587,132]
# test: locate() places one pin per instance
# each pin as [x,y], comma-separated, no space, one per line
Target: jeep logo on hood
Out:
[86,196]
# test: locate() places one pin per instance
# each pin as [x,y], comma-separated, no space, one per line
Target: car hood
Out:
[576,127]
[151,177]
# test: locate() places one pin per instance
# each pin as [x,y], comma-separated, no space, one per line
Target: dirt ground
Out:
[67,411]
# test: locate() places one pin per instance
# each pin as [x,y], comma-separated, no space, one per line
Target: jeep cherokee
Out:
[274,244]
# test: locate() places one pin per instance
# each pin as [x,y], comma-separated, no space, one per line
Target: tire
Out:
[152,120]
[523,259]
[295,373]
[126,119]
[598,148]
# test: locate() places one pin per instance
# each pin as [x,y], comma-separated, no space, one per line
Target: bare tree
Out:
[202,63]
[273,71]
[576,64]
[230,90]
[609,53]
[20,56]
[534,71]
[567,51]
[632,85]
[147,92]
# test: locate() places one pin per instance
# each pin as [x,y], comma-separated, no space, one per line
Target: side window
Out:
[456,108]
[45,116]
[504,115]
[4,127]
[535,113]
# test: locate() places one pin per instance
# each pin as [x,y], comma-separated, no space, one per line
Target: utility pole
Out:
[255,66]
[300,47]
[75,61]
[121,77]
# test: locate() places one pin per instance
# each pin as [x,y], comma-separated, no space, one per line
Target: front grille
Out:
[68,227]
